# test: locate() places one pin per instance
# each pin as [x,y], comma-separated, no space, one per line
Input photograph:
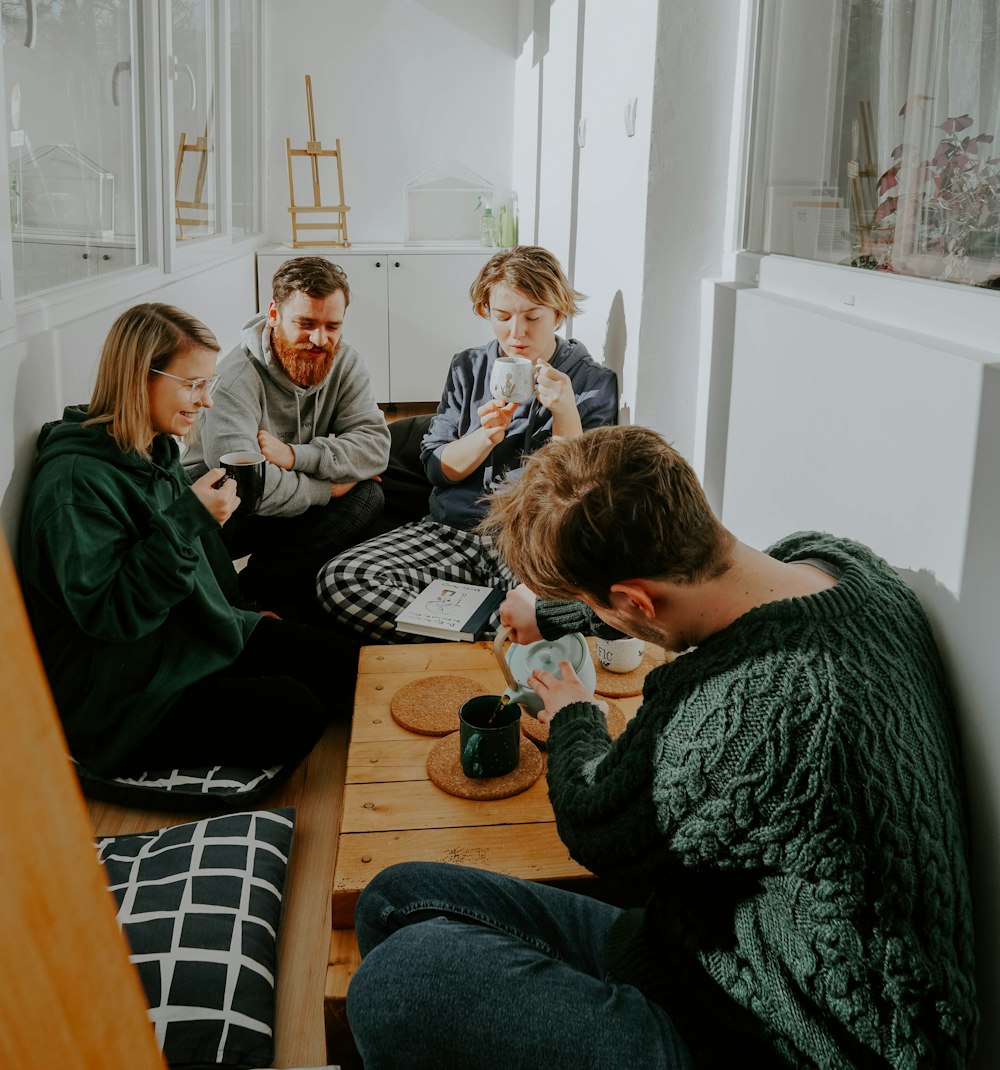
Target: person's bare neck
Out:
[753,579]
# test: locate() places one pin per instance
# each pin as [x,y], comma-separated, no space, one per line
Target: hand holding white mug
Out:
[221,501]
[555,390]
[495,419]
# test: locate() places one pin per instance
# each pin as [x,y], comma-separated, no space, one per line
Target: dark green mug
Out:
[489,747]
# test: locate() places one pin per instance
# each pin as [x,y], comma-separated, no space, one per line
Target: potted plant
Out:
[947,204]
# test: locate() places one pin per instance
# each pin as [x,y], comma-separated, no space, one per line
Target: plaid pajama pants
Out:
[366,586]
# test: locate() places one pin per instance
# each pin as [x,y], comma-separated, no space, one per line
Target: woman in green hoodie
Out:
[131,594]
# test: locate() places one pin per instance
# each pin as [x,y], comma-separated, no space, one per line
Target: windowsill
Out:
[964,315]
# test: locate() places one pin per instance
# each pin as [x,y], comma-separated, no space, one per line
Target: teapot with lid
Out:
[521,660]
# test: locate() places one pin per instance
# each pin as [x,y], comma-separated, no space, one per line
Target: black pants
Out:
[286,552]
[268,708]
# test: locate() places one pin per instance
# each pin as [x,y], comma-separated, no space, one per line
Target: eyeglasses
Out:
[199,387]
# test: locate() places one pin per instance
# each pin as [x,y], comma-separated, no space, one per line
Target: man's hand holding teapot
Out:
[557,693]
[517,612]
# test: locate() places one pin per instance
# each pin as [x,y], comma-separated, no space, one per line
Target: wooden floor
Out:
[396,411]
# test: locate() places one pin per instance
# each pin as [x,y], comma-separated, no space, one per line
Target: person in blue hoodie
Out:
[475,443]
[131,594]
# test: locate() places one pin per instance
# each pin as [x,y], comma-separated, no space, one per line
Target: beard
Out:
[299,362]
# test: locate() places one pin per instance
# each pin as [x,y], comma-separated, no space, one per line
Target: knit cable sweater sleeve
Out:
[555,619]
[689,780]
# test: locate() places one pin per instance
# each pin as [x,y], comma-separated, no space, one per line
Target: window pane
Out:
[68,80]
[246,165]
[877,135]
[191,85]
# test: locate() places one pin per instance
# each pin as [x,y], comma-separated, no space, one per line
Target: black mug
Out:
[490,736]
[247,468]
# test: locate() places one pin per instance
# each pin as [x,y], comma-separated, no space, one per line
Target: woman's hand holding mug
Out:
[220,500]
[554,390]
[495,419]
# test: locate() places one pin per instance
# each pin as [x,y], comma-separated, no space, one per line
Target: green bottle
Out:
[488,228]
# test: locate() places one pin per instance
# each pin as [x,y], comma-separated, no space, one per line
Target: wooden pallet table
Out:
[393,813]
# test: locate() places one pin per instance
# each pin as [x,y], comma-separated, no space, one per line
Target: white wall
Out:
[619,63]
[404,85]
[638,221]
[689,196]
[580,62]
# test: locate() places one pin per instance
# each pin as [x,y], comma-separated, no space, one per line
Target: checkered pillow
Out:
[200,905]
[216,787]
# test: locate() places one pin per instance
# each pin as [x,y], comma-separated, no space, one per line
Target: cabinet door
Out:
[366,325]
[430,319]
[42,265]
[110,258]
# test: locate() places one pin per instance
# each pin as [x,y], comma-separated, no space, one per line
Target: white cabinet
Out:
[42,263]
[410,311]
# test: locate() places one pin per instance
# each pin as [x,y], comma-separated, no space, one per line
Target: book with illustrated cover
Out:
[448,610]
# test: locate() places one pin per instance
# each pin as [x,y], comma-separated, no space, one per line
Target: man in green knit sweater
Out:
[788,797]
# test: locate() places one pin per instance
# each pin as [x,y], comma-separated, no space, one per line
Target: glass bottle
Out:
[488,228]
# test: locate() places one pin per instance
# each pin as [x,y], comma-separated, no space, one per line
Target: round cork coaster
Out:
[620,684]
[538,733]
[430,706]
[444,768]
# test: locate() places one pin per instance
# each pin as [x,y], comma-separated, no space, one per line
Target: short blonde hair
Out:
[531,269]
[614,504]
[143,338]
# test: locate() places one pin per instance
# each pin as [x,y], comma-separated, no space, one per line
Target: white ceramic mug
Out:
[620,655]
[512,379]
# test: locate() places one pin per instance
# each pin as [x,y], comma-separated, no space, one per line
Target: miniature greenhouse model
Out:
[443,205]
[62,191]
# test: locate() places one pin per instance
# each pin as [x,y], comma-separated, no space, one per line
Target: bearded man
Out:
[295,392]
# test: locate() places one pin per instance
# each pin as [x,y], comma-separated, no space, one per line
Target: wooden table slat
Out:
[391,760]
[533,852]
[415,805]
[426,658]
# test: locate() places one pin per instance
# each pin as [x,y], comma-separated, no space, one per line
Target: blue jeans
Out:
[466,968]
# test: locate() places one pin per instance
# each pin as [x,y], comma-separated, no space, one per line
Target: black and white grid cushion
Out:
[200,906]
[215,787]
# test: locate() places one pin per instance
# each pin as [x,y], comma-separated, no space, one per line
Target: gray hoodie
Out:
[338,433]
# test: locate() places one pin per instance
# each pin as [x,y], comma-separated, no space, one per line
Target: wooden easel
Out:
[314,150]
[199,145]
[861,172]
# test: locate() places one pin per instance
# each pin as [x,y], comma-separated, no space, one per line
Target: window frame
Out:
[751,242]
[159,262]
